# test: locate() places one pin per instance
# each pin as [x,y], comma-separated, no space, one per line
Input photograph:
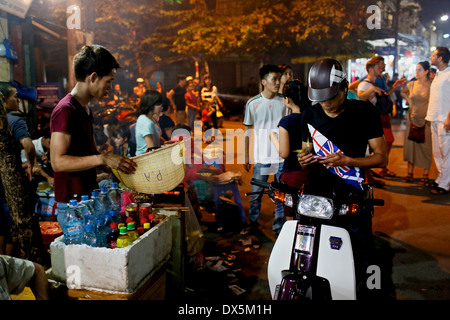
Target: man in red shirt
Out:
[72,150]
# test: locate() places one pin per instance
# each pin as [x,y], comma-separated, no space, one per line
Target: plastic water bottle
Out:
[114,194]
[101,233]
[106,199]
[108,221]
[99,210]
[61,211]
[88,211]
[73,224]
[89,236]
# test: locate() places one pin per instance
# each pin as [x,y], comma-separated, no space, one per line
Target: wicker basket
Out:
[157,171]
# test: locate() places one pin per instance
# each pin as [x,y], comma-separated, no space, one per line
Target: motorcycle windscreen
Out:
[335,262]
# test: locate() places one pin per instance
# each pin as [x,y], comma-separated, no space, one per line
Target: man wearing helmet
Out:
[340,131]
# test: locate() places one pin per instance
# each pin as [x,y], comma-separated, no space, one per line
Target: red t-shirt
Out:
[70,116]
[205,117]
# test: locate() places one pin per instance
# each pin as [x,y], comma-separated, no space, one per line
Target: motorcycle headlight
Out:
[315,206]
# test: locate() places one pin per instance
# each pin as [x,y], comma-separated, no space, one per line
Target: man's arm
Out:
[62,162]
[30,154]
[397,84]
[378,158]
[365,95]
[247,164]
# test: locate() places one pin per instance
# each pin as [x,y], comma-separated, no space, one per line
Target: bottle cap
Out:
[130,226]
[84,197]
[151,216]
[147,225]
[123,230]
[113,225]
[73,202]
[129,219]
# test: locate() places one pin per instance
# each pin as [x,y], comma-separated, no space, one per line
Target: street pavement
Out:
[411,232]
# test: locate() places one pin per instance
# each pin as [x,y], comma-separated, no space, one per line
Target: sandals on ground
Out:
[408,178]
[438,190]
[425,181]
[386,173]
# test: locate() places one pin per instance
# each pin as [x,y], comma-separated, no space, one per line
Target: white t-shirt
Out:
[439,103]
[39,150]
[264,115]
[365,85]
[144,127]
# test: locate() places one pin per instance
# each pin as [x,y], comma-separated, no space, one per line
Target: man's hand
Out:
[119,162]
[306,158]
[399,83]
[336,159]
[28,167]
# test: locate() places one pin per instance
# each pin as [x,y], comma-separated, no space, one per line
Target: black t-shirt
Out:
[291,123]
[350,131]
[165,122]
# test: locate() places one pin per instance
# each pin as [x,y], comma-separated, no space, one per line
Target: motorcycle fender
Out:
[280,257]
[335,262]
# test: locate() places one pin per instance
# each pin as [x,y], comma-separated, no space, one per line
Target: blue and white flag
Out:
[324,147]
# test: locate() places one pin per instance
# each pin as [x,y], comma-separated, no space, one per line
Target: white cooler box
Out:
[119,270]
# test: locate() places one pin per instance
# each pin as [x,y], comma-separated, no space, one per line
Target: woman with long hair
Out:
[289,138]
[210,97]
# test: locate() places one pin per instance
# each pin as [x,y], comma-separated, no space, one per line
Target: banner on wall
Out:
[16,7]
[48,94]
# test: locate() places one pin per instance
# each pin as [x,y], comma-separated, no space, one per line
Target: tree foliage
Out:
[165,31]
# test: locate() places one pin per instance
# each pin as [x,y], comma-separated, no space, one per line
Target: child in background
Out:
[207,122]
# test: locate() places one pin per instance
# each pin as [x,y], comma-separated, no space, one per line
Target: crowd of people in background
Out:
[158,112]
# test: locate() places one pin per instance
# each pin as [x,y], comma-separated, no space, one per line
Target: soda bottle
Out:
[101,233]
[113,236]
[123,240]
[88,211]
[89,236]
[132,233]
[97,205]
[73,224]
[115,194]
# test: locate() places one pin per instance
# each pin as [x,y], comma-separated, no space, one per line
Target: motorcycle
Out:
[312,259]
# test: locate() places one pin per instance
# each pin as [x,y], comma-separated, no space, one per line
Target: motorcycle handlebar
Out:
[260,183]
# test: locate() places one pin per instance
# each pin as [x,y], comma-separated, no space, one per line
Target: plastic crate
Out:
[203,189]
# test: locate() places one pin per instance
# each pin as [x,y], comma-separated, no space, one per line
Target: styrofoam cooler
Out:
[113,270]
